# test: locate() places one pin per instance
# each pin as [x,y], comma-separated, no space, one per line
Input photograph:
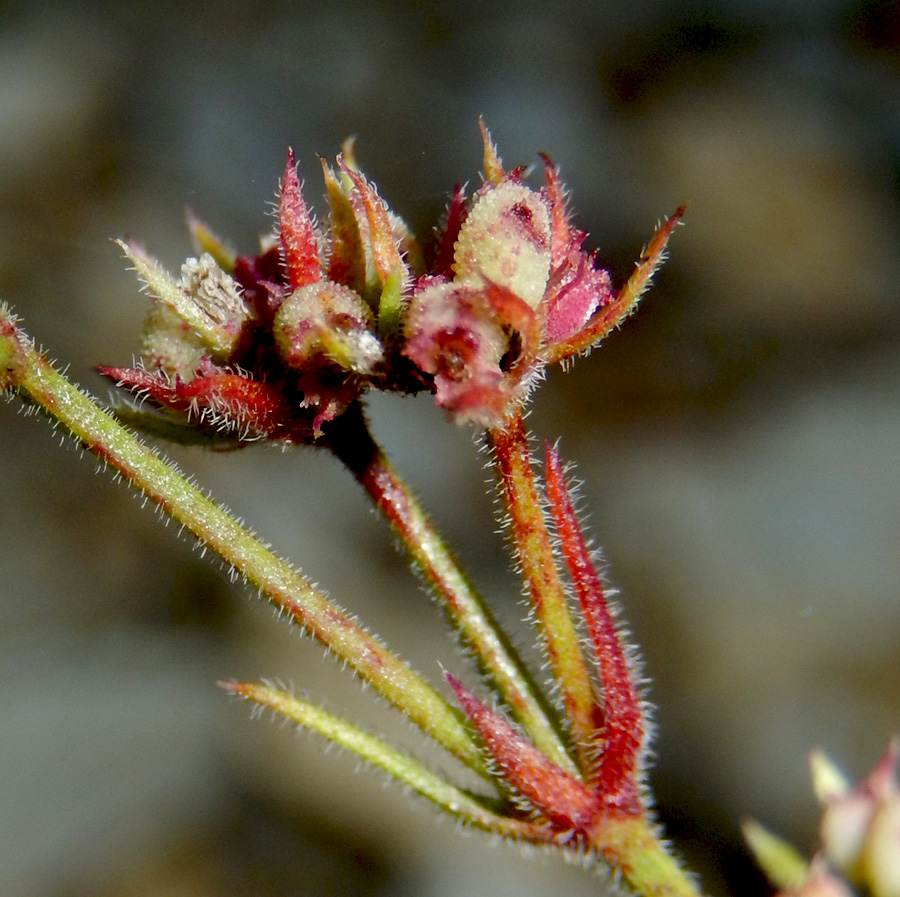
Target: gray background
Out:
[739,438]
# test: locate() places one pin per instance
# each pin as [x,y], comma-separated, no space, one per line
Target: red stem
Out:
[350,440]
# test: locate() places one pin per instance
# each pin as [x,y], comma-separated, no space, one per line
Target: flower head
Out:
[278,344]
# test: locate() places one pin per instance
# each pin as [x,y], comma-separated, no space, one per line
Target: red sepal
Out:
[220,399]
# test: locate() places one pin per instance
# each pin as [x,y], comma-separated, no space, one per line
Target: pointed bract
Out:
[561,237]
[299,243]
[449,234]
[385,254]
[493,167]
[207,241]
[611,315]
[347,263]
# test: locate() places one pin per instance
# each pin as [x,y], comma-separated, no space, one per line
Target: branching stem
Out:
[351,441]
[25,370]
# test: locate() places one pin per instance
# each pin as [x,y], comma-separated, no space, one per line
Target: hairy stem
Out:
[27,372]
[351,441]
[633,848]
[528,531]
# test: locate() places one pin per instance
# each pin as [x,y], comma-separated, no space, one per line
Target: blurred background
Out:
[739,439]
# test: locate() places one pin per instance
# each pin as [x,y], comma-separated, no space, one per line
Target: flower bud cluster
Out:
[279,344]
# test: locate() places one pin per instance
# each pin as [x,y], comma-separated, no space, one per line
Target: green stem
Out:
[23,369]
[379,753]
[632,847]
[351,441]
[531,540]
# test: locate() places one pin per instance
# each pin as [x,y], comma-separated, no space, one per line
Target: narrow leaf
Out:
[534,553]
[611,316]
[377,752]
[558,796]
[37,381]
[621,737]
[351,441]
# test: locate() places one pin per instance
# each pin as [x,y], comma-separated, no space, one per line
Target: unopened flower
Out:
[518,285]
[860,833]
[326,323]
[860,826]
[279,344]
[820,882]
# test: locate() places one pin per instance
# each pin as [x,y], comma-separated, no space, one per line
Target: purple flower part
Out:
[452,334]
[575,291]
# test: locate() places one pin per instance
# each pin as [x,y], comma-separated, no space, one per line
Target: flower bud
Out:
[453,334]
[845,825]
[205,310]
[169,344]
[506,240]
[860,826]
[326,323]
[821,882]
[881,855]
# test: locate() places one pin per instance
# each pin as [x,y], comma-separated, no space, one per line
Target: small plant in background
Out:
[859,833]
[283,346]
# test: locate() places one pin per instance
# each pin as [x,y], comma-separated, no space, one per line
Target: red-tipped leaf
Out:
[624,730]
[562,799]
